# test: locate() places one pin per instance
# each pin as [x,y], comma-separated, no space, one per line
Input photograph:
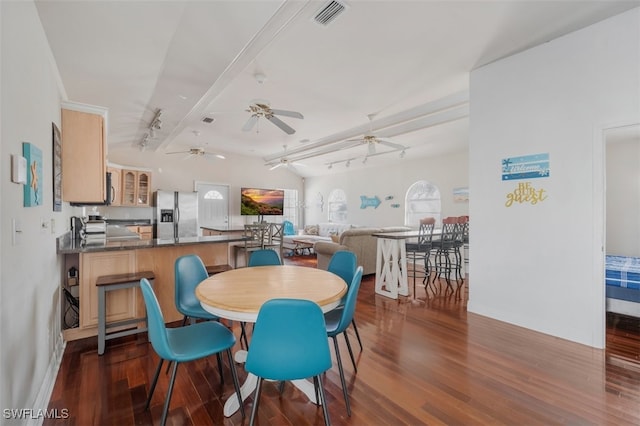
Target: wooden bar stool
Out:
[107,283]
[216,269]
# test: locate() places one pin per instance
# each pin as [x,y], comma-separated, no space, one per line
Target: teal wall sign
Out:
[526,167]
[369,201]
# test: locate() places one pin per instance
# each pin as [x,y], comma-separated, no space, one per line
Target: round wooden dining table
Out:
[238,295]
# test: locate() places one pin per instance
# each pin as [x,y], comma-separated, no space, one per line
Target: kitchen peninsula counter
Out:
[66,245]
[126,256]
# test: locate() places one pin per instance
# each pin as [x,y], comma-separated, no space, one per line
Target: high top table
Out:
[391,262]
[238,295]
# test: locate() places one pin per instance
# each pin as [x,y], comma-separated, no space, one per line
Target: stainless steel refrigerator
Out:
[176,214]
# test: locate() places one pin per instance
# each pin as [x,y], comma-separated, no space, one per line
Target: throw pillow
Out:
[335,238]
[311,230]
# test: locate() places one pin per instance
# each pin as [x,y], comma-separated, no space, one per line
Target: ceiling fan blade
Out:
[250,123]
[281,124]
[177,152]
[275,167]
[391,144]
[293,114]
[293,168]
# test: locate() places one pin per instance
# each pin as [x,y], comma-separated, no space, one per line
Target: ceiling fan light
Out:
[220,156]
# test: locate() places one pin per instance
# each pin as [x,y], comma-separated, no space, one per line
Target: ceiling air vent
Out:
[208,120]
[329,13]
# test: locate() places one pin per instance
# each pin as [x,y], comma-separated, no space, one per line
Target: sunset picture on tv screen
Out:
[262,201]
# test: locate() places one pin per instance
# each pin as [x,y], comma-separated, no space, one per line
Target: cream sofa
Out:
[358,240]
[315,233]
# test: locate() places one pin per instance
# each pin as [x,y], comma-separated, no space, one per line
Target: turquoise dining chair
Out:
[344,264]
[337,322]
[264,257]
[189,271]
[289,342]
[183,344]
[287,227]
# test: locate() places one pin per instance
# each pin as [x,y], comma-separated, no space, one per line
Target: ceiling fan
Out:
[198,152]
[285,162]
[371,140]
[262,109]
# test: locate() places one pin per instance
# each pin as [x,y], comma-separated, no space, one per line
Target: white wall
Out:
[623,198]
[446,172]
[173,173]
[540,266]
[30,271]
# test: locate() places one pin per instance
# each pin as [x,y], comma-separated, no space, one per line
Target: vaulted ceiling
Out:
[398,70]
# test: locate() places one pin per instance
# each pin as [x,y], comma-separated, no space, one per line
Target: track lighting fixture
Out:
[156,123]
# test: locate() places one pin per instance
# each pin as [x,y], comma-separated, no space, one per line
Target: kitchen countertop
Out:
[66,245]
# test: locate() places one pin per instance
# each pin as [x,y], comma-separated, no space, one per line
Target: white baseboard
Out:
[44,394]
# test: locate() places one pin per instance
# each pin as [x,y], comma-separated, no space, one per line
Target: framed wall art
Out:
[33,188]
[57,168]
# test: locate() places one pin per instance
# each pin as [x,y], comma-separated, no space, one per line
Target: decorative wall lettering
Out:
[525,167]
[525,193]
[388,197]
[395,206]
[369,201]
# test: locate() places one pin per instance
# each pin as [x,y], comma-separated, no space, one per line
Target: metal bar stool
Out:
[107,283]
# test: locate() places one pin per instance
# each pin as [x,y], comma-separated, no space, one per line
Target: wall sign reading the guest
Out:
[525,167]
[525,193]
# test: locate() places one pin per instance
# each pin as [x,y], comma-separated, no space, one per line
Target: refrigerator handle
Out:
[177,219]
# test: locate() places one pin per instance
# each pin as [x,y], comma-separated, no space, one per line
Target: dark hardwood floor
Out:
[425,362]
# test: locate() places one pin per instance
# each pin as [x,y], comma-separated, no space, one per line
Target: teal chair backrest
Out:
[289,341]
[264,257]
[156,328]
[288,228]
[343,263]
[350,302]
[189,272]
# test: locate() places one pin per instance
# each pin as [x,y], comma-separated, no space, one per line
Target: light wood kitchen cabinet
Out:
[136,188]
[121,304]
[116,186]
[145,231]
[83,156]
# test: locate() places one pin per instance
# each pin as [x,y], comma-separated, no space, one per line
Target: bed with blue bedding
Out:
[622,279]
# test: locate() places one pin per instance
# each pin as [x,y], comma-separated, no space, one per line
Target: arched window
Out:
[213,195]
[337,206]
[422,200]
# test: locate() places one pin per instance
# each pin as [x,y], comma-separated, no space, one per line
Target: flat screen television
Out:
[262,202]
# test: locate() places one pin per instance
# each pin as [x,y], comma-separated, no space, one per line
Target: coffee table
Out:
[302,244]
